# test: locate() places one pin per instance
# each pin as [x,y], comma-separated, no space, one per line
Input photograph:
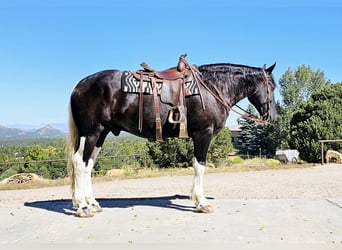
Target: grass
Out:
[129,172]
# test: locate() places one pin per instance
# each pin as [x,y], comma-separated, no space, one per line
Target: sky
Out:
[46,47]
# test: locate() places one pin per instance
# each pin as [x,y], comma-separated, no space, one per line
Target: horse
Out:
[98,106]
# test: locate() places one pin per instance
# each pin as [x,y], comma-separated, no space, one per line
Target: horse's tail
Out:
[72,141]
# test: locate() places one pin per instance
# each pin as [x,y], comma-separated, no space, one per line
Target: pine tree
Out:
[254,137]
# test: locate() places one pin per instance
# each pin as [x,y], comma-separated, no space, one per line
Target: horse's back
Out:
[97,80]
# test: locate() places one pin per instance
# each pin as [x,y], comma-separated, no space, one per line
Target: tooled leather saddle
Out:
[171,85]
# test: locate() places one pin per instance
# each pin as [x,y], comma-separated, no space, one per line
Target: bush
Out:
[9,172]
[236,160]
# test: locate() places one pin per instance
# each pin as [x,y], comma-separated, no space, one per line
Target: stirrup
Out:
[183,130]
[181,119]
[178,115]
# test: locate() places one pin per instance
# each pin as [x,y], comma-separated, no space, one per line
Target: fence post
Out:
[322,152]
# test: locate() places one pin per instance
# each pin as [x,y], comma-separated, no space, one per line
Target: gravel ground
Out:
[270,206]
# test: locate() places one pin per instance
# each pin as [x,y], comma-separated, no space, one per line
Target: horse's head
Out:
[263,97]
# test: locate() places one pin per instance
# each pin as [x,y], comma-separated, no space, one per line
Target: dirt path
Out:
[291,206]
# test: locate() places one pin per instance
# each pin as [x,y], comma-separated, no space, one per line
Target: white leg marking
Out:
[83,197]
[88,191]
[197,188]
[201,202]
[88,184]
[80,168]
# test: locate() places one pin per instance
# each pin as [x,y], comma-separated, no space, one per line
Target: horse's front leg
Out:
[201,145]
[202,204]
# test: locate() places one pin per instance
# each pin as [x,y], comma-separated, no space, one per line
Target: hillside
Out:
[45,132]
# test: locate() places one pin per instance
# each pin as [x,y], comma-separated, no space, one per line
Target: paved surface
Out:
[46,216]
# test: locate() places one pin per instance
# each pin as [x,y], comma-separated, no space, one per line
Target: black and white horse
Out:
[99,106]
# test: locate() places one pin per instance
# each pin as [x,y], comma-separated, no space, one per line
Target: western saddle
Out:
[172,91]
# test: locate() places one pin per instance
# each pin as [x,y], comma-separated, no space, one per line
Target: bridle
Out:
[219,98]
[268,92]
[268,102]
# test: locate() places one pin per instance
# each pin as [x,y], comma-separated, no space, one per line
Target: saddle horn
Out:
[181,65]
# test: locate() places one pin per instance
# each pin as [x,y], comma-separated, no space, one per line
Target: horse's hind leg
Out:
[88,190]
[78,180]
[84,160]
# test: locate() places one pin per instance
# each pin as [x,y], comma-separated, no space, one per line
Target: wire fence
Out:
[57,168]
[247,157]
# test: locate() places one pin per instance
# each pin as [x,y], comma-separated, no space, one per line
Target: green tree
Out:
[36,153]
[254,137]
[318,118]
[174,152]
[296,87]
[220,147]
[122,151]
[29,151]
[244,139]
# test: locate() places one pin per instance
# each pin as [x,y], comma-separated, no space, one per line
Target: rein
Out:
[218,94]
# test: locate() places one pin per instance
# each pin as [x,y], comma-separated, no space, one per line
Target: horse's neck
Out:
[237,90]
[234,81]
[236,94]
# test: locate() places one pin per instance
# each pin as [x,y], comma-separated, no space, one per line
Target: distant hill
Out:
[45,132]
[6,133]
[49,132]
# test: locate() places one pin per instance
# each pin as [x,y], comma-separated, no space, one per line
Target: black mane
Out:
[226,67]
[234,70]
[232,78]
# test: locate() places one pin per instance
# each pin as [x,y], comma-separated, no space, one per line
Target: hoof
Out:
[84,212]
[204,209]
[95,208]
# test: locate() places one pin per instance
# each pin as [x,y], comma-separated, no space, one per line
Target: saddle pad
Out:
[130,84]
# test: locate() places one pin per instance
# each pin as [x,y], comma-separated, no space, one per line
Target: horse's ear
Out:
[270,69]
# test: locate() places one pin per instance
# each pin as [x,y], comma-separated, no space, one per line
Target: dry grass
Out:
[246,165]
[36,183]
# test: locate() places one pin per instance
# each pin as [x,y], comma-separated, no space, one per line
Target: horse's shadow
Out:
[64,206]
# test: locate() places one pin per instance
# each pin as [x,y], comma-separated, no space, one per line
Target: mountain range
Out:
[46,131]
